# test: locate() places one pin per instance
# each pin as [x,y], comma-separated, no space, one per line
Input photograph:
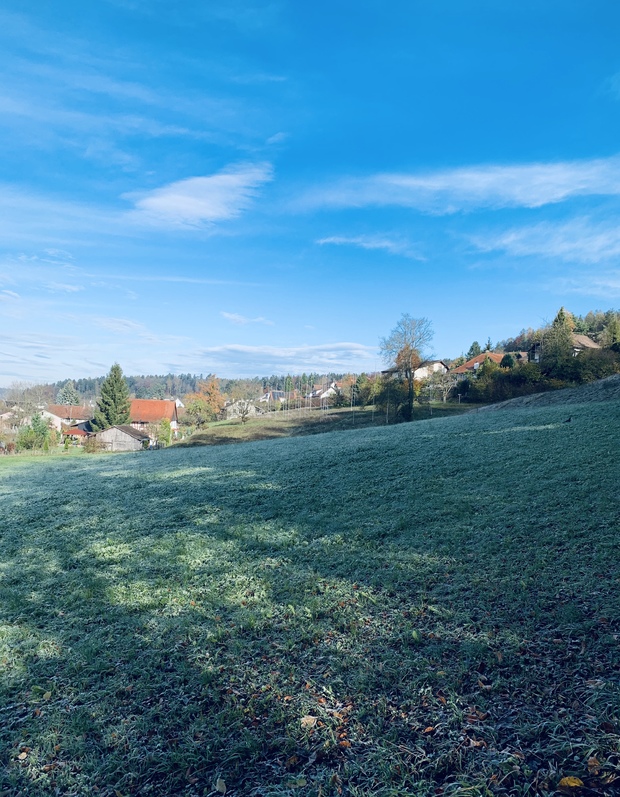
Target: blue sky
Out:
[249,188]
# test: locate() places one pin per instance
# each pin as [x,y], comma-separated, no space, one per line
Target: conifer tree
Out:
[557,344]
[611,334]
[113,406]
[474,350]
[68,394]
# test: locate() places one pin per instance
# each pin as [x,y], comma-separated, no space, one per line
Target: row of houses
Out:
[579,342]
[73,422]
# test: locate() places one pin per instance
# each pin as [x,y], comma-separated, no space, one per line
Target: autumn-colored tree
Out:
[405,347]
[206,403]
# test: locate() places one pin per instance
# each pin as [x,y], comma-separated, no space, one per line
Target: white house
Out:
[430,367]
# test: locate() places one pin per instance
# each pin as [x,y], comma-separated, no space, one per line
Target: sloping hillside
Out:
[607,389]
[431,608]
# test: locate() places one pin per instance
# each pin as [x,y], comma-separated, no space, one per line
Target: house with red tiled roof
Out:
[75,433]
[144,412]
[471,366]
[69,415]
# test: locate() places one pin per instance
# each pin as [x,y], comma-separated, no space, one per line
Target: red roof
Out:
[152,410]
[470,365]
[75,412]
[74,431]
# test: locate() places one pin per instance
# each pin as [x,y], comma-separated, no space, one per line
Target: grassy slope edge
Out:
[431,608]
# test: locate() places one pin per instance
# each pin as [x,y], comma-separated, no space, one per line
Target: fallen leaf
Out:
[594,765]
[22,756]
[500,656]
[430,729]
[220,785]
[345,743]
[47,696]
[570,783]
[308,721]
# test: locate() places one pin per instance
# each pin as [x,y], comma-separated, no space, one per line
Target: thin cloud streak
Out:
[253,360]
[579,240]
[474,188]
[197,201]
[22,355]
[602,286]
[391,245]
[242,320]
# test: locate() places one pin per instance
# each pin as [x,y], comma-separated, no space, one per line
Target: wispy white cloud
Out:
[394,246]
[128,328]
[121,325]
[258,77]
[277,138]
[62,287]
[580,240]
[28,218]
[203,200]
[58,253]
[471,188]
[604,286]
[242,320]
[252,360]
[8,295]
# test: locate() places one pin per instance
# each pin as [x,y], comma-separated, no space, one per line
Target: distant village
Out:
[63,414]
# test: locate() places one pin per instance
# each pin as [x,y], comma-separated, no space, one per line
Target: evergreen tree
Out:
[474,350]
[557,345]
[611,334]
[114,405]
[68,394]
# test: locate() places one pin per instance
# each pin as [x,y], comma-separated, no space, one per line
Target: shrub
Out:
[92,445]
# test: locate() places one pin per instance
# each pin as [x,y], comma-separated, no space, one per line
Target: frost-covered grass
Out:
[274,425]
[431,608]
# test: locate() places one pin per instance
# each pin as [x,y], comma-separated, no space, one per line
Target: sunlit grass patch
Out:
[426,609]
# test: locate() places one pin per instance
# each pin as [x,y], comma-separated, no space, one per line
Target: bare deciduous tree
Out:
[405,348]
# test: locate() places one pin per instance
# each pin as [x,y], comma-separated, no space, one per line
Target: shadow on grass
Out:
[299,423]
[394,613]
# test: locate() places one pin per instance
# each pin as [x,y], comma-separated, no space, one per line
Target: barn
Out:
[122,438]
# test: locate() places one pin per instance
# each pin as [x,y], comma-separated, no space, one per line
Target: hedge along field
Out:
[427,609]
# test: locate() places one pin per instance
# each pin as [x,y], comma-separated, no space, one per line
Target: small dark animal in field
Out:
[569,419]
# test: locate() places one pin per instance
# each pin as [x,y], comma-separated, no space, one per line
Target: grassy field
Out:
[295,423]
[426,609]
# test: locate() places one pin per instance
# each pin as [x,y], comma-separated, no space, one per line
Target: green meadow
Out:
[425,609]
